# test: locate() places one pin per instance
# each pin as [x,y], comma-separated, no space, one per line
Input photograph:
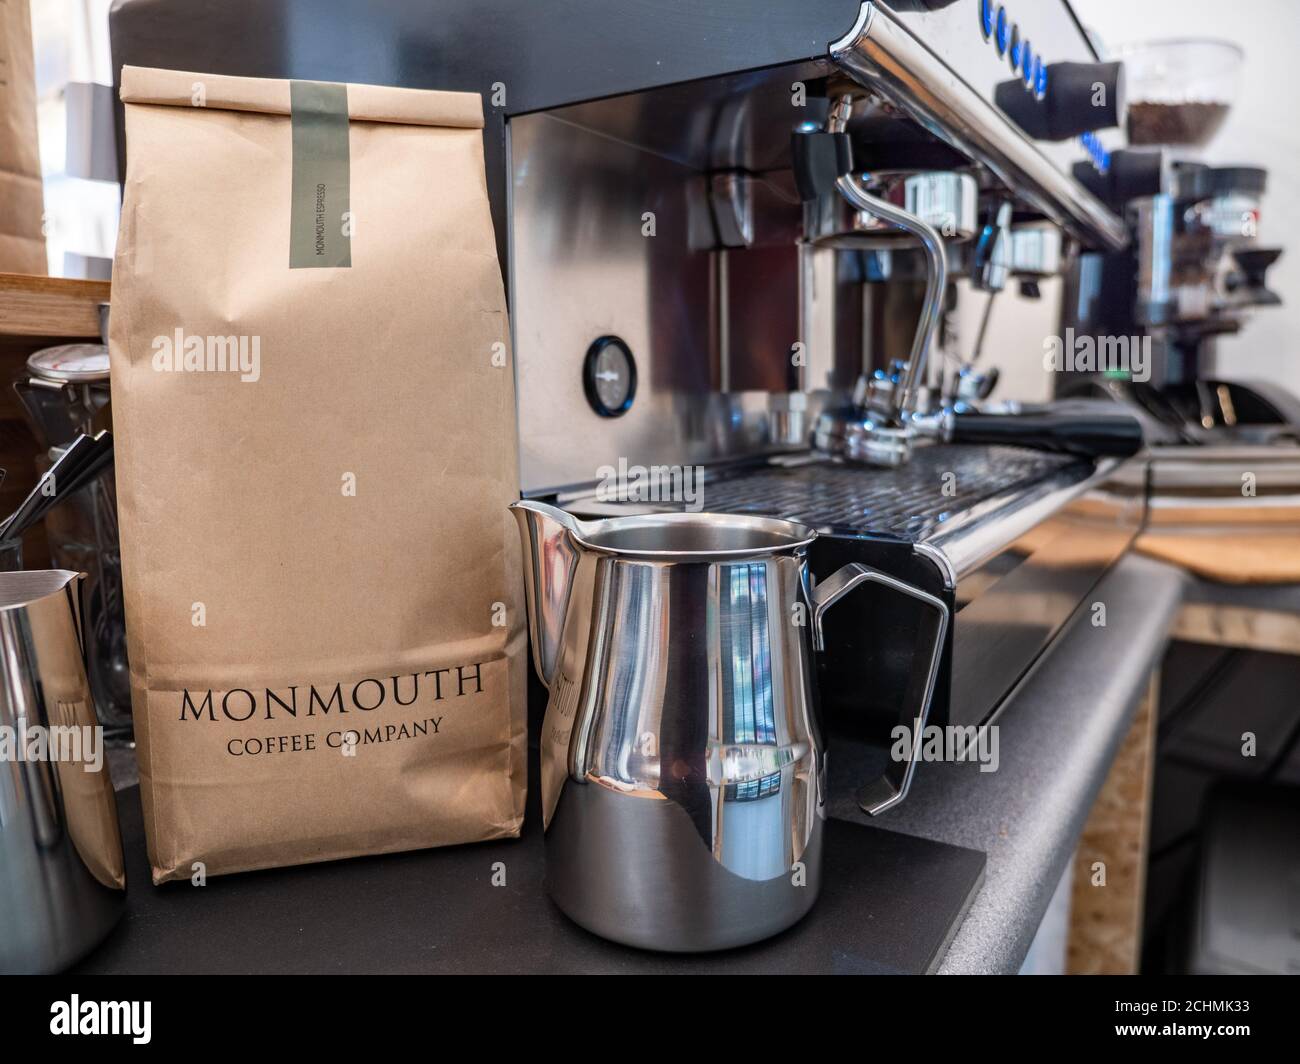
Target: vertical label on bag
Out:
[318,231]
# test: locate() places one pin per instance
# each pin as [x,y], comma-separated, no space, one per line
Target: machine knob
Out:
[1132,175]
[1191,182]
[820,159]
[991,257]
[973,386]
[1068,99]
[1240,180]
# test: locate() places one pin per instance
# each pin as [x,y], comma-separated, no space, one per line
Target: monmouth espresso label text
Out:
[354,710]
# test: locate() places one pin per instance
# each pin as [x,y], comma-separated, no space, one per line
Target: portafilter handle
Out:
[1089,435]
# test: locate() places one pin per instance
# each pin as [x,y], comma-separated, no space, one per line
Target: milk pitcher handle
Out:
[890,789]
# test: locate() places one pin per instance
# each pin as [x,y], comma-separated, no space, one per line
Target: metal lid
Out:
[71,363]
[30,585]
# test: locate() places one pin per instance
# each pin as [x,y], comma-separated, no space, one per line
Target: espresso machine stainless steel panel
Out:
[608,240]
[1025,535]
[884,55]
[665,218]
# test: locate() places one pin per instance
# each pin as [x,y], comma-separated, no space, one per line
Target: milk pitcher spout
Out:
[550,556]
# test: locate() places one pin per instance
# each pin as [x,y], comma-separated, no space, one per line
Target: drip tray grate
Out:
[907,502]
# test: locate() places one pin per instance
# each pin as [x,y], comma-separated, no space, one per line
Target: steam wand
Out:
[882,425]
[884,435]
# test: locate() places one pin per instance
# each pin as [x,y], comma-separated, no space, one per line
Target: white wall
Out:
[1016,336]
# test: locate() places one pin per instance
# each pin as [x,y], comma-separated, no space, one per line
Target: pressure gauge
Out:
[609,377]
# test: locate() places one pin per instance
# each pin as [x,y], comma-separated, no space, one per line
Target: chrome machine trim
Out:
[986,530]
[880,54]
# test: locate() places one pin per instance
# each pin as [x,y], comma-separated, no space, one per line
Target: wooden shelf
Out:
[52,308]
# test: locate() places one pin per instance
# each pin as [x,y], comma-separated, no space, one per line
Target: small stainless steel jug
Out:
[62,877]
[683,776]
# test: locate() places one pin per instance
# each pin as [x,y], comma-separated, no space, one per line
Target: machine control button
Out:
[1132,175]
[1075,98]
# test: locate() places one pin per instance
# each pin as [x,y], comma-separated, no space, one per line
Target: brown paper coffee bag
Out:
[22,197]
[315,443]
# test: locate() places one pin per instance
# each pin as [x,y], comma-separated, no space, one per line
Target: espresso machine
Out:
[1222,448]
[746,275]
[730,233]
[1194,271]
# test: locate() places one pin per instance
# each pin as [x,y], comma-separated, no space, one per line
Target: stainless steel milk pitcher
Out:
[62,876]
[682,772]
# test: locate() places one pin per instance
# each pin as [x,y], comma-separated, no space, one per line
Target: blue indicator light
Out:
[1005,35]
[1096,152]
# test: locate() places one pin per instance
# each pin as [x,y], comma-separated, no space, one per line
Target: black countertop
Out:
[889,903]
[1058,734]
[901,895]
